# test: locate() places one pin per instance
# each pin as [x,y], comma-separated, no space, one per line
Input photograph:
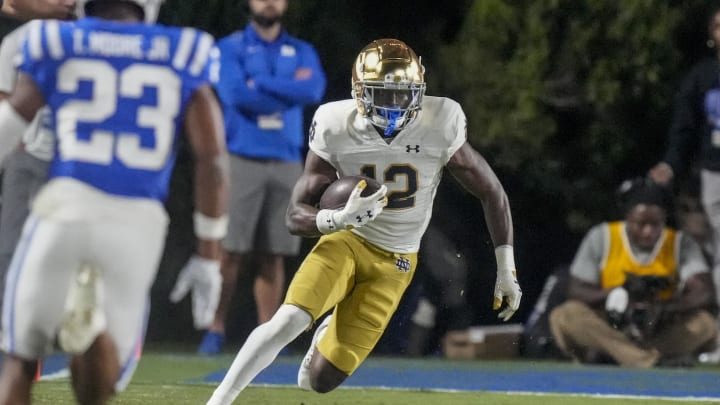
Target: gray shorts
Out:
[259,197]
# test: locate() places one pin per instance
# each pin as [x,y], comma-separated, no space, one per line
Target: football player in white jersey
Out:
[120,90]
[25,170]
[367,251]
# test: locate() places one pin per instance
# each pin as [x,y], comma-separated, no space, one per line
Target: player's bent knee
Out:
[324,376]
[324,383]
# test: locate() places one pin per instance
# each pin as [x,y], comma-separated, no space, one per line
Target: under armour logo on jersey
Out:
[312,130]
[402,264]
[410,148]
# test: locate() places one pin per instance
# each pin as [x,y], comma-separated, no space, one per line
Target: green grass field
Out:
[141,393]
[163,379]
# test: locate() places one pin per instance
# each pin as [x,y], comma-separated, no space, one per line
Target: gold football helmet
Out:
[388,84]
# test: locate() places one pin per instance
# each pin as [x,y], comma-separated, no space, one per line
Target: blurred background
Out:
[564,98]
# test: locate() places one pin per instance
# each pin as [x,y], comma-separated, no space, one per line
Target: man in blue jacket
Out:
[266,78]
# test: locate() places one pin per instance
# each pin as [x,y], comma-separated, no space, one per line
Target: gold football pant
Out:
[364,285]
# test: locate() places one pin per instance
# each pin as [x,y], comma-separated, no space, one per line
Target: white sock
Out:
[304,371]
[259,350]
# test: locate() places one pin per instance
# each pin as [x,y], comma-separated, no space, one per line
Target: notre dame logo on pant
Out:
[403,264]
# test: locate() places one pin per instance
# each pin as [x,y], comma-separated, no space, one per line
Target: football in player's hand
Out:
[338,192]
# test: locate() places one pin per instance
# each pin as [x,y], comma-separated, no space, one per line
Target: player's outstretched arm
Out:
[301,214]
[16,112]
[476,175]
[201,275]
[206,133]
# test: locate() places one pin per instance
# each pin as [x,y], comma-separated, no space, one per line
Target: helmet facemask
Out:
[389,106]
[388,85]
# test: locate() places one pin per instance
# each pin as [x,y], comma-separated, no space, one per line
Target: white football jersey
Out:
[410,166]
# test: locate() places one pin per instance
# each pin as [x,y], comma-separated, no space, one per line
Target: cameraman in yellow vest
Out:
[640,293]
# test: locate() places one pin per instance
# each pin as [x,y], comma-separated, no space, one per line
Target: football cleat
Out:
[84,318]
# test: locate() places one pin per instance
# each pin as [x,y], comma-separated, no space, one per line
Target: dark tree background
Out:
[565,98]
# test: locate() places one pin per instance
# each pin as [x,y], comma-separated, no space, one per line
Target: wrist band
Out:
[325,222]
[210,228]
[504,257]
[205,263]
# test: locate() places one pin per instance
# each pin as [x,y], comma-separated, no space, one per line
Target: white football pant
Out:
[72,224]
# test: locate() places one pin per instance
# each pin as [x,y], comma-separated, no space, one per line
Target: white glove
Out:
[357,211]
[617,300]
[507,288]
[204,278]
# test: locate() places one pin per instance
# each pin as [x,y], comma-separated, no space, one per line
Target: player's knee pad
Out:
[326,377]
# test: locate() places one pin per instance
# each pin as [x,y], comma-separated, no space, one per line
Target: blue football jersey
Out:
[117,93]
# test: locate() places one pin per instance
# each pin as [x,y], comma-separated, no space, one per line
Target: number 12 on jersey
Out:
[396,173]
